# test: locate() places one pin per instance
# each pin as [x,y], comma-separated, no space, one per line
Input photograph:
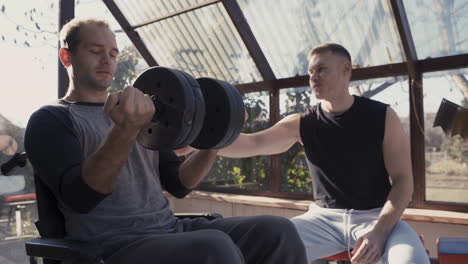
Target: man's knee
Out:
[215,246]
[275,228]
[404,246]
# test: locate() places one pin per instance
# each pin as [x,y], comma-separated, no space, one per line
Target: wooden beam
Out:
[132,34]
[237,17]
[296,196]
[444,63]
[388,70]
[416,101]
[173,14]
[396,69]
[446,206]
[417,137]
[406,38]
[275,160]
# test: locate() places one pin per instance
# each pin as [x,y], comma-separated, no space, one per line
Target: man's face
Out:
[94,61]
[329,75]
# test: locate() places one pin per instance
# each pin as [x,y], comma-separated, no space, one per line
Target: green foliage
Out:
[252,173]
[248,173]
[294,171]
[454,147]
[126,69]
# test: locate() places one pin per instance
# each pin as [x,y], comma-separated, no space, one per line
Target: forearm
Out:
[101,169]
[249,145]
[196,167]
[398,199]
[243,147]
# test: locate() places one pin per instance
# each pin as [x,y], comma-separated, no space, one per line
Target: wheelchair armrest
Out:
[67,250]
[209,216]
[63,250]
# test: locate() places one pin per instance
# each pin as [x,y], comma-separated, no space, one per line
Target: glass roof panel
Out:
[438,27]
[288,29]
[149,10]
[203,42]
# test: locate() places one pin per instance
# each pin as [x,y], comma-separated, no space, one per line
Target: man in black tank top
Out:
[359,160]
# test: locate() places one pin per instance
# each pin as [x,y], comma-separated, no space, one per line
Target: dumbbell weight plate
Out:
[180,108]
[224,117]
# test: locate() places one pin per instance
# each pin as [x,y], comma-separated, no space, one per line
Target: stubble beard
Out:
[98,85]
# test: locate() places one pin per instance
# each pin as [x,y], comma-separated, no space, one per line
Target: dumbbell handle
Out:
[159,108]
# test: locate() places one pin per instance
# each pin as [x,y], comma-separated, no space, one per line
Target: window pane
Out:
[392,91]
[446,154]
[294,174]
[28,66]
[438,27]
[248,173]
[288,29]
[203,42]
[150,10]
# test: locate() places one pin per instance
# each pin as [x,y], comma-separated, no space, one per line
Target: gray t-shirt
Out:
[60,137]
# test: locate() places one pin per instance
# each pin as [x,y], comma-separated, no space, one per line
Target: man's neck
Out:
[337,104]
[85,94]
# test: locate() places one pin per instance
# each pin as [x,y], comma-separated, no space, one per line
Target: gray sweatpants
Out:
[235,240]
[329,231]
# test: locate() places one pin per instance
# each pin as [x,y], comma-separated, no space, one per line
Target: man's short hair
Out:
[70,32]
[334,48]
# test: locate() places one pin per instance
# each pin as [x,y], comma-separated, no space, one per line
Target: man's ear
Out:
[347,68]
[65,57]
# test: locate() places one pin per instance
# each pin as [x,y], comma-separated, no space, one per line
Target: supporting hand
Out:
[369,248]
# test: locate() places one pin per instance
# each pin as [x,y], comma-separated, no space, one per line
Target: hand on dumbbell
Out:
[129,109]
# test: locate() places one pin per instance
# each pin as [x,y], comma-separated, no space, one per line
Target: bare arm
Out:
[274,140]
[196,167]
[130,110]
[396,150]
[397,160]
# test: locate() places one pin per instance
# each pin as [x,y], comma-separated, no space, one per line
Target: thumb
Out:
[357,245]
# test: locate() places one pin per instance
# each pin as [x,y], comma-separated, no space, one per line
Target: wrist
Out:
[124,133]
[383,229]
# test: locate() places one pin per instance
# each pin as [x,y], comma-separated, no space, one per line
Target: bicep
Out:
[279,137]
[51,148]
[396,148]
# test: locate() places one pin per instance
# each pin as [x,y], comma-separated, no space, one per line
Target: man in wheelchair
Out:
[109,189]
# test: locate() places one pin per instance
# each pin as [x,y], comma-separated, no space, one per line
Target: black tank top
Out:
[345,155]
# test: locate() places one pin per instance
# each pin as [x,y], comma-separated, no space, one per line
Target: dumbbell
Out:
[204,113]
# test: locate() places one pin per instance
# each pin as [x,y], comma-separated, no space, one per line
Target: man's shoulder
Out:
[53,106]
[57,109]
[370,102]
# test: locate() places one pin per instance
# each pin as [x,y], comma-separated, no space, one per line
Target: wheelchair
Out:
[51,245]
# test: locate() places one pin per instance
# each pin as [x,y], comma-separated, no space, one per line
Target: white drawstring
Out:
[347,229]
